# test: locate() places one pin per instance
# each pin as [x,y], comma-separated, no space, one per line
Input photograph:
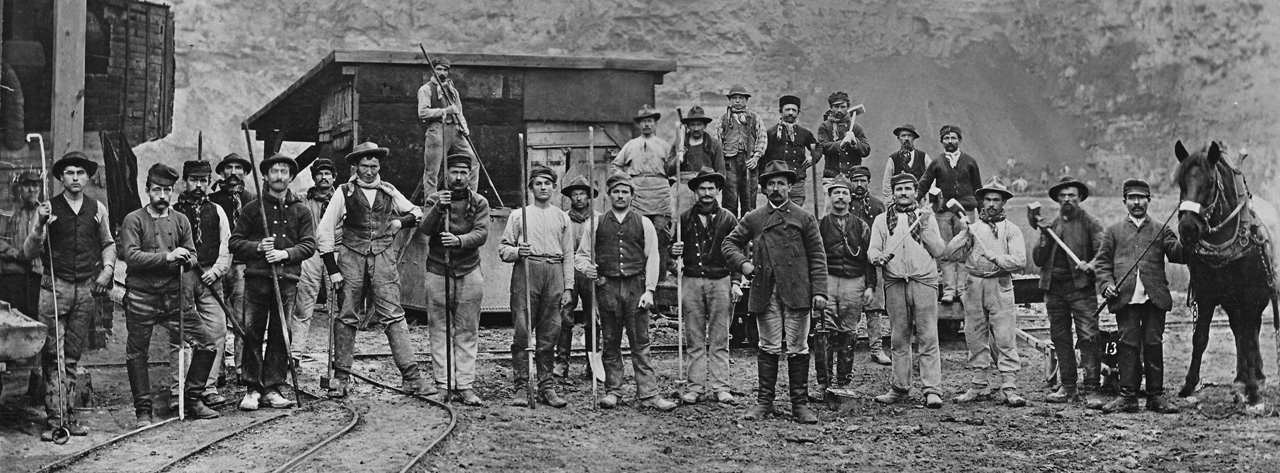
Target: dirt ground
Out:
[1211,435]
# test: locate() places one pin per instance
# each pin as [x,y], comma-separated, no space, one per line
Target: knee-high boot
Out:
[140,386]
[767,375]
[822,355]
[798,382]
[344,342]
[844,359]
[402,354]
[1130,361]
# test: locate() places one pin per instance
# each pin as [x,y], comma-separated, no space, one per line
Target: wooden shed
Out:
[356,96]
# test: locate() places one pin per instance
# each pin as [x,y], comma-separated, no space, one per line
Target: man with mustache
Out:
[866,207]
[231,195]
[156,242]
[648,160]
[842,141]
[313,278]
[792,144]
[1070,298]
[460,236]
[741,132]
[904,244]
[72,238]
[369,212]
[288,239]
[1140,302]
[17,269]
[700,151]
[711,287]
[623,253]
[581,195]
[992,251]
[906,159]
[956,174]
[211,232]
[845,238]
[792,283]
[440,108]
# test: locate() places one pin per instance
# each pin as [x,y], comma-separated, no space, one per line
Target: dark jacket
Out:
[1083,234]
[291,225]
[957,183]
[708,154]
[787,254]
[469,220]
[841,157]
[1122,244]
[703,245]
[144,243]
[790,152]
[846,247]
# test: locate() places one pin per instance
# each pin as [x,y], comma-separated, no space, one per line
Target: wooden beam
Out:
[69,17]
[507,60]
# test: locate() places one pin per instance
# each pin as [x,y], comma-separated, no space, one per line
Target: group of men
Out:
[813,279]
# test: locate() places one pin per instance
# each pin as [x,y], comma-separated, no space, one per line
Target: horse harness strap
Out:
[1240,241]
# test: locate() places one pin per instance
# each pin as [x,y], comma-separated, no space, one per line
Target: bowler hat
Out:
[233,158]
[321,164]
[619,179]
[1068,181]
[908,127]
[647,112]
[162,175]
[74,158]
[704,175]
[950,129]
[367,149]
[788,100]
[738,89]
[268,163]
[777,168]
[696,114]
[196,168]
[578,183]
[1136,187]
[994,185]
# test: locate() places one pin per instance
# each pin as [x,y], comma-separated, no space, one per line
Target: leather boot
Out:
[197,378]
[140,387]
[767,375]
[821,364]
[402,354]
[1130,363]
[344,344]
[844,359]
[1090,365]
[798,380]
[1153,362]
[1063,395]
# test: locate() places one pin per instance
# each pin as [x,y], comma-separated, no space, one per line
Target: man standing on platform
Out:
[710,289]
[842,141]
[792,144]
[792,283]
[906,159]
[866,207]
[623,253]
[72,237]
[288,240]
[17,267]
[440,108]
[370,212]
[956,174]
[581,195]
[457,225]
[992,251]
[648,160]
[845,238]
[312,278]
[742,137]
[549,254]
[700,150]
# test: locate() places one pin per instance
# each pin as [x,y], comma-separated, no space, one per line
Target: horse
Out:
[1229,254]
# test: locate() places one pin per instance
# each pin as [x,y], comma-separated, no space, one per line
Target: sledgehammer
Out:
[1033,215]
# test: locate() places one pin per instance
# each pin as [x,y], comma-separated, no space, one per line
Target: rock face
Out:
[1100,88]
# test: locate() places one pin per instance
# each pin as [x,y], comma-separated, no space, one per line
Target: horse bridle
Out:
[1203,212]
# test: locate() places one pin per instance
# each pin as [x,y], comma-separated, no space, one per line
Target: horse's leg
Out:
[1244,330]
[1199,341]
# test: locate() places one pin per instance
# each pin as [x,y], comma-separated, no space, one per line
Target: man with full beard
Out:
[907,159]
[842,141]
[992,251]
[956,174]
[741,132]
[792,144]
[17,275]
[710,289]
[1070,296]
[312,278]
[581,195]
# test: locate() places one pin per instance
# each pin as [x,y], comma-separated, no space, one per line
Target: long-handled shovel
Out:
[530,347]
[675,219]
[60,433]
[593,343]
[275,283]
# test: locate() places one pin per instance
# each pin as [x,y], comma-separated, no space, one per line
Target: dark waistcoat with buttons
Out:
[619,246]
[76,251]
[364,220]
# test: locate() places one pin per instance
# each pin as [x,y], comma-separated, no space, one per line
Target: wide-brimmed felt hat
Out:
[321,164]
[738,89]
[74,158]
[696,114]
[840,181]
[788,100]
[196,168]
[994,185]
[578,183]
[1068,181]
[704,175]
[367,149]
[840,96]
[777,168]
[908,127]
[950,129]
[162,174]
[1136,186]
[619,179]
[904,177]
[233,158]
[268,163]
[647,112]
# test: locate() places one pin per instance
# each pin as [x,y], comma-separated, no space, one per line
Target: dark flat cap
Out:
[162,174]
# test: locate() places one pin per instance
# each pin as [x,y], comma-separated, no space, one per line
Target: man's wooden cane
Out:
[275,283]
[675,220]
[530,343]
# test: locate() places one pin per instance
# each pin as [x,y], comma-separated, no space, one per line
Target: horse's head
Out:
[1198,182]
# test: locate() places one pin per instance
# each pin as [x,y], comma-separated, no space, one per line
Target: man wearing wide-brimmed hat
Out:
[17,269]
[742,136]
[622,251]
[711,287]
[793,144]
[992,250]
[1070,297]
[229,193]
[845,238]
[648,160]
[789,267]
[841,141]
[581,195]
[313,278]
[362,261]
[700,150]
[440,108]
[906,159]
[72,238]
[287,240]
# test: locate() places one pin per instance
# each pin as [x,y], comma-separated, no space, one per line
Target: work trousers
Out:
[75,312]
[371,282]
[22,291]
[441,141]
[1141,328]
[544,297]
[953,272]
[146,310]
[581,292]
[619,300]
[1069,306]
[844,310]
[264,323]
[211,319]
[311,280]
[991,329]
[707,311]
[913,309]
[233,295]
[466,293]
[740,184]
[779,323]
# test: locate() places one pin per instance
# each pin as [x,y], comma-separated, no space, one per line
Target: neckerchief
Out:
[707,209]
[189,204]
[579,216]
[891,218]
[865,209]
[787,131]
[991,219]
[376,184]
[320,195]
